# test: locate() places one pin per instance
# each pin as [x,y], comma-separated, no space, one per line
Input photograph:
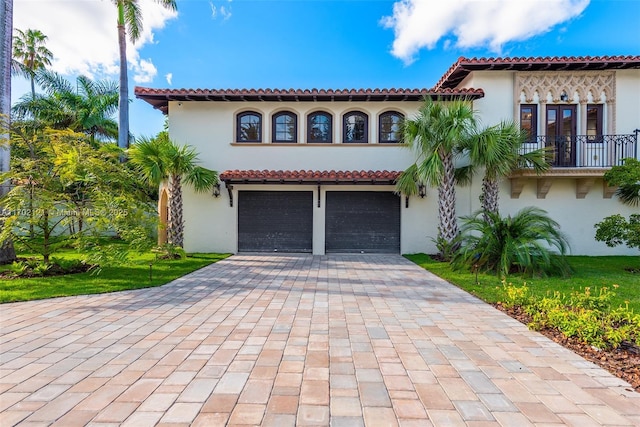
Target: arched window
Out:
[390,127]
[355,127]
[284,127]
[249,127]
[319,127]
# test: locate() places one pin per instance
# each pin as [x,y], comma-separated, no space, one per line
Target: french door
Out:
[561,134]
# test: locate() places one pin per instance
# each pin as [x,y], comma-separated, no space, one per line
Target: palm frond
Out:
[407,181]
[132,19]
[201,179]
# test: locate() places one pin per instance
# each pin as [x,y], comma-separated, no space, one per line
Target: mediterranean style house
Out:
[314,170]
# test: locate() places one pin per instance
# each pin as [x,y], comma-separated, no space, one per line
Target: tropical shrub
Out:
[585,314]
[522,243]
[67,193]
[615,230]
[169,251]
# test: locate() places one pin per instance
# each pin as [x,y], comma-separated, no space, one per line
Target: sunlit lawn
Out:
[593,272]
[136,274]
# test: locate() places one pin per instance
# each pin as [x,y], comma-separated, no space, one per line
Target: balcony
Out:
[584,151]
[583,158]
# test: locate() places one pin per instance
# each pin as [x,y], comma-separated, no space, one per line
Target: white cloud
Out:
[144,71]
[223,11]
[421,24]
[169,77]
[82,35]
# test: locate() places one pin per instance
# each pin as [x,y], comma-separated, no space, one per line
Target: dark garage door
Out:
[270,221]
[363,221]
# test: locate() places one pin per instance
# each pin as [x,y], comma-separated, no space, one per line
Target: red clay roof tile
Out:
[458,71]
[159,98]
[309,176]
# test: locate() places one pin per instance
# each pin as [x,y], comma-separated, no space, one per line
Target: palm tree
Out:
[30,55]
[7,251]
[521,243]
[129,19]
[88,106]
[436,135]
[160,160]
[499,150]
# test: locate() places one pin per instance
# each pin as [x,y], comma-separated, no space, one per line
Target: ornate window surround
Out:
[580,87]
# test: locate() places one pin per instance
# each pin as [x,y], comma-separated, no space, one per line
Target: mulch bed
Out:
[623,362]
[55,270]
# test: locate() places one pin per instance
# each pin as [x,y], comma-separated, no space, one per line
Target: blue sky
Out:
[317,43]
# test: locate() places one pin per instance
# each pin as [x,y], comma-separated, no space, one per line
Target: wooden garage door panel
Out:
[270,221]
[360,221]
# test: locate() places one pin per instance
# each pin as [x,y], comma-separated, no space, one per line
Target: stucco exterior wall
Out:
[211,223]
[575,216]
[628,101]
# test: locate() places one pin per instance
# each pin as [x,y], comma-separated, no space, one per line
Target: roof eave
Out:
[160,98]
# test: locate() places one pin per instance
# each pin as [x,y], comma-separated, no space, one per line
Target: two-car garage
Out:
[355,221]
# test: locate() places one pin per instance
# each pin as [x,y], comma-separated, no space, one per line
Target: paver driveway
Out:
[295,340]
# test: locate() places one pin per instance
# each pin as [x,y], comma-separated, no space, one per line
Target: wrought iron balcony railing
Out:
[584,151]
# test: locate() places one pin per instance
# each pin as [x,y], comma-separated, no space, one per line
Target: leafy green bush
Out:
[42,268]
[169,251]
[614,230]
[19,268]
[584,314]
[514,295]
[522,243]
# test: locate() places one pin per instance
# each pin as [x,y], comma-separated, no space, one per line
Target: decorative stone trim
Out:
[585,179]
[543,84]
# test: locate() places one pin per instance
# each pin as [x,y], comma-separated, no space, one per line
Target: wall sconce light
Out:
[422,190]
[216,190]
[564,97]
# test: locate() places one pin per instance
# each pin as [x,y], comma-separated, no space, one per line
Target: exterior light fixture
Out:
[564,97]
[216,190]
[422,190]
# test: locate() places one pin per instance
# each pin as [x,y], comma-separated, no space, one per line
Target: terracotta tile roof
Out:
[159,98]
[309,177]
[458,71]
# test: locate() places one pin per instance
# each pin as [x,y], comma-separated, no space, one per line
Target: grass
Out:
[133,275]
[593,272]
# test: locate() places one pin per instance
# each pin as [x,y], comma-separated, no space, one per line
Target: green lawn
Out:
[593,272]
[134,275]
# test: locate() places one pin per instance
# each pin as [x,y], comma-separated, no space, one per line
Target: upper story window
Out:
[594,122]
[354,127]
[285,127]
[249,127]
[390,127]
[319,127]
[529,121]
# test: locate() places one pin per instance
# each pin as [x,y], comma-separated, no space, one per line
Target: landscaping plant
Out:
[522,243]
[67,193]
[436,135]
[585,314]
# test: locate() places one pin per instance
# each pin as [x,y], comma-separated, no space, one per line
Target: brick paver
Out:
[289,340]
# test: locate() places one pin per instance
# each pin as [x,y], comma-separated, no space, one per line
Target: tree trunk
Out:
[490,193]
[33,88]
[7,252]
[123,102]
[175,223]
[46,236]
[448,228]
[5,97]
